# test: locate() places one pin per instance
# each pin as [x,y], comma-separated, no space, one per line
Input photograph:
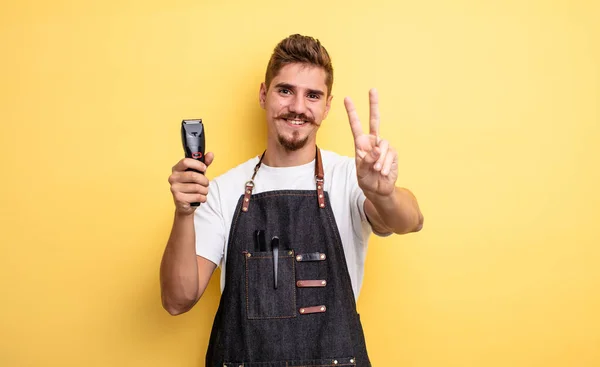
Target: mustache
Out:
[295,116]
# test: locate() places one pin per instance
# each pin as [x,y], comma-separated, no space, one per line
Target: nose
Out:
[298,105]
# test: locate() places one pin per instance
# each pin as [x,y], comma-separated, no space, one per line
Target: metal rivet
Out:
[352,360]
[322,256]
[247,191]
[322,308]
[246,199]
[298,258]
[320,196]
[323,282]
[318,187]
[335,361]
[244,209]
[248,254]
[302,310]
[322,205]
[290,252]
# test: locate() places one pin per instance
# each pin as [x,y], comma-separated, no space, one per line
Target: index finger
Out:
[353,118]
[374,112]
[187,163]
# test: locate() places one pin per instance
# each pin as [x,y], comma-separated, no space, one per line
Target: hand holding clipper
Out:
[193,139]
[189,185]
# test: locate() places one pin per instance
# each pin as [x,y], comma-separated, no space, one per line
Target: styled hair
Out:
[300,49]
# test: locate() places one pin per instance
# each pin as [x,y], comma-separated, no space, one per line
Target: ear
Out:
[327,106]
[262,95]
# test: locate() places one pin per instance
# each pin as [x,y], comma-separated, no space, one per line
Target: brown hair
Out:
[300,49]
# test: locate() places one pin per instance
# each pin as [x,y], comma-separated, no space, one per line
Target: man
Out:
[289,227]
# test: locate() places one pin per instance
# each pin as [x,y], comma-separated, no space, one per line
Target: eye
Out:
[313,96]
[285,91]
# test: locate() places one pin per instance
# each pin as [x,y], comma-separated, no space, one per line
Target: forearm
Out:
[179,267]
[399,212]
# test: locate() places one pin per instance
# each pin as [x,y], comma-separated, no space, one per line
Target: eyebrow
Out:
[293,87]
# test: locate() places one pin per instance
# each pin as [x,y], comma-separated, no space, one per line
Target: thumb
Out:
[208,158]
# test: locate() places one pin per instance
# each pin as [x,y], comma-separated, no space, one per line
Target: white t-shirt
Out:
[212,220]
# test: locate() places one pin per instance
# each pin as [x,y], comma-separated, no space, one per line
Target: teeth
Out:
[296,122]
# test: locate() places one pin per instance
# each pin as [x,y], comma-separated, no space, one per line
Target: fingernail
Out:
[377,167]
[361,153]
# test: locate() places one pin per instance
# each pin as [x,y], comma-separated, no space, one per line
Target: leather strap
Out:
[319,178]
[314,256]
[247,194]
[313,309]
[311,283]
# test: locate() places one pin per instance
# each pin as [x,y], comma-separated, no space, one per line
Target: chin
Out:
[292,144]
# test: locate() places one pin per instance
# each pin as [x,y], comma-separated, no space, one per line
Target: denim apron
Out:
[291,303]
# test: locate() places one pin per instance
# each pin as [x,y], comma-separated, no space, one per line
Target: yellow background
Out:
[492,105]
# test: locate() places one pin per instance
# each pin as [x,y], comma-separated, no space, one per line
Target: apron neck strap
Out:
[319,178]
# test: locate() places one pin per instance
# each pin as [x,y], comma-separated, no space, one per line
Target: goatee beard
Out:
[292,144]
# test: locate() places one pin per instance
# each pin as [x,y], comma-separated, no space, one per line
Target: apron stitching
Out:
[295,290]
[247,303]
[271,317]
[290,194]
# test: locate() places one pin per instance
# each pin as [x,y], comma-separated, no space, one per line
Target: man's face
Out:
[296,103]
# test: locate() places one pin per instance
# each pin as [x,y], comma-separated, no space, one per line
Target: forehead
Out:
[303,76]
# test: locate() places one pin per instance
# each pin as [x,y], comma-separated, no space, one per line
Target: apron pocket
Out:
[263,300]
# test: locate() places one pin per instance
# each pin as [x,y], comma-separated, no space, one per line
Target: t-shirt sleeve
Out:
[210,227]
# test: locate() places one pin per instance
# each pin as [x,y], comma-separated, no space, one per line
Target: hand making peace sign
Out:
[376,160]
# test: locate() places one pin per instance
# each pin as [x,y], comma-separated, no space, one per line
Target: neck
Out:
[278,156]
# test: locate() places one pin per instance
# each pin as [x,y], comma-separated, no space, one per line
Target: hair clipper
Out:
[193,138]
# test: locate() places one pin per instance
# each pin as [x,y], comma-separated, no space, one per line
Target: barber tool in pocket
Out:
[260,245]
